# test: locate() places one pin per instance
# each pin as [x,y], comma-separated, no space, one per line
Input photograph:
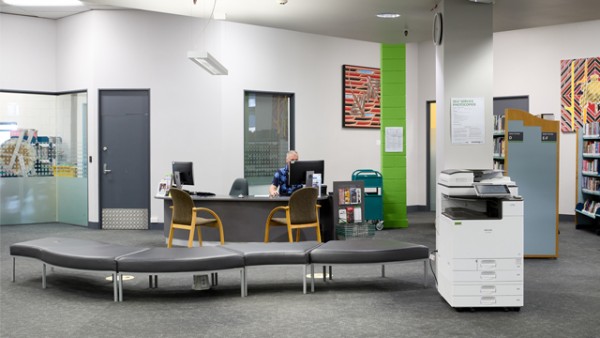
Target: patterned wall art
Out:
[580,93]
[361,97]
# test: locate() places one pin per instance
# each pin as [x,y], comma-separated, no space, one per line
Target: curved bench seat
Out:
[72,253]
[86,254]
[368,251]
[173,260]
[275,253]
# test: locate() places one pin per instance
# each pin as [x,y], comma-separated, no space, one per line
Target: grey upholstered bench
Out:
[118,259]
[73,253]
[174,260]
[275,253]
[368,251]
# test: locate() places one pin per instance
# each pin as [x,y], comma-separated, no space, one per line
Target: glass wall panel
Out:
[43,158]
[267,135]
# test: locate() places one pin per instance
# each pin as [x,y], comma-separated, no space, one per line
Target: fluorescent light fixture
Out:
[208,62]
[388,15]
[44,3]
[487,2]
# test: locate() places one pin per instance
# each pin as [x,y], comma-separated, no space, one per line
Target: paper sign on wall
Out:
[467,120]
[393,139]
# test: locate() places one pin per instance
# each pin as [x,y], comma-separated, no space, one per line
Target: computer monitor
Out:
[183,173]
[298,169]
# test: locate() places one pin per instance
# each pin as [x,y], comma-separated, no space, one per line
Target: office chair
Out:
[239,187]
[185,217]
[301,212]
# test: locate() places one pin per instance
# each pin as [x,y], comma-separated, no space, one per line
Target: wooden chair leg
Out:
[267,232]
[221,235]
[318,234]
[191,238]
[298,235]
[199,235]
[170,240]
[290,237]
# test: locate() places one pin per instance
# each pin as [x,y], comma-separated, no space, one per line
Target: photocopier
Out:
[479,239]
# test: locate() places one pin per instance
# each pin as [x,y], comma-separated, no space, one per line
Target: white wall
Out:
[526,62]
[27,53]
[196,116]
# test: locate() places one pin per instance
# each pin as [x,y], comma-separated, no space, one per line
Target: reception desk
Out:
[244,219]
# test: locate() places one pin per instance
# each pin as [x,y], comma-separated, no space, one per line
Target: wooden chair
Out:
[301,212]
[185,217]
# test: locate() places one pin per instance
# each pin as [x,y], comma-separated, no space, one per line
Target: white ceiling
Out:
[353,19]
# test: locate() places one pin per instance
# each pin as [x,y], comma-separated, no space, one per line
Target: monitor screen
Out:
[298,169]
[185,172]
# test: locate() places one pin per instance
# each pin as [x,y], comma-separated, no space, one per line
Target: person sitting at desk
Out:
[279,186]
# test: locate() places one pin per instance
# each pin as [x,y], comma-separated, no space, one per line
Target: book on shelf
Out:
[591,129]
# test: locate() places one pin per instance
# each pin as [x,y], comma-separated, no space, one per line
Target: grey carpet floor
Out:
[562,296]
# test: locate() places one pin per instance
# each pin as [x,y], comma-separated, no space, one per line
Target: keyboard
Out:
[200,193]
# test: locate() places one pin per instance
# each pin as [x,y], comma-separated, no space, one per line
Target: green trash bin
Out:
[373,182]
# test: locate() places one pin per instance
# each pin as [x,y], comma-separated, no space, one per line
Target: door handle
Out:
[106,170]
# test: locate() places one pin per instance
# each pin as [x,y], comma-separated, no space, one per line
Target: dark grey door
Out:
[124,159]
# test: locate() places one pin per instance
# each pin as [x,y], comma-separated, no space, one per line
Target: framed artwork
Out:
[361,97]
[580,93]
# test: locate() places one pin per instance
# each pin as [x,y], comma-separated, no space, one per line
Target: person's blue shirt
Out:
[280,180]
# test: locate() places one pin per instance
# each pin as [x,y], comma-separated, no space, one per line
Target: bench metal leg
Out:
[120,286]
[425,273]
[13,270]
[243,285]
[115,287]
[312,278]
[214,278]
[304,280]
[153,281]
[330,272]
[382,270]
[43,276]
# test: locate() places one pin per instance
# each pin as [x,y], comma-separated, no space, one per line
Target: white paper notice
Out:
[393,139]
[467,120]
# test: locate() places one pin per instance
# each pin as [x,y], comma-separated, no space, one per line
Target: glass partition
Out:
[43,158]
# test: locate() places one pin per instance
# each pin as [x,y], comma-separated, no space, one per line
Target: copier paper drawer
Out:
[488,276]
[499,289]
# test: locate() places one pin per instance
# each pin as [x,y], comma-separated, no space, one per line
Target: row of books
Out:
[498,122]
[590,183]
[499,146]
[590,165]
[591,206]
[591,147]
[498,165]
[592,128]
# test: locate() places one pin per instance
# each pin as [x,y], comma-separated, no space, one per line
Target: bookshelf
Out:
[531,159]
[587,210]
[499,142]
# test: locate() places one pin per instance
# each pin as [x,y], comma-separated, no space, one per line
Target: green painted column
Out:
[393,114]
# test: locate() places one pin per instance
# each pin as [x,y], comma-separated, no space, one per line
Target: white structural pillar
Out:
[464,86]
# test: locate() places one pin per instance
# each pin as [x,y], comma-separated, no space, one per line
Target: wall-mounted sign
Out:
[548,136]
[467,120]
[515,136]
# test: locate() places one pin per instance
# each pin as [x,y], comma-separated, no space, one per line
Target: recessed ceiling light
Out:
[483,1]
[44,3]
[388,15]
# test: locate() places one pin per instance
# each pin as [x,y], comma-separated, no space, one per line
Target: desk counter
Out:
[244,219]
